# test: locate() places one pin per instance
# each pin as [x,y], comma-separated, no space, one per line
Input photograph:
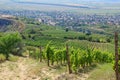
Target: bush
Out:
[2,57]
[81,37]
[13,58]
[9,42]
[33,52]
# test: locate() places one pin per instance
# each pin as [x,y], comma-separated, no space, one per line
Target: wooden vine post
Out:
[40,54]
[116,57]
[68,59]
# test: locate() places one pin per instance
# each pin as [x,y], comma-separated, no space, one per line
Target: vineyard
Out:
[79,59]
[69,52]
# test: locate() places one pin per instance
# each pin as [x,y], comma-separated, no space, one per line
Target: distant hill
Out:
[5,22]
[54,4]
[10,24]
[101,0]
[71,1]
[90,6]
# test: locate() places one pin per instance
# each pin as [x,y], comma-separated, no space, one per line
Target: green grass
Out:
[102,72]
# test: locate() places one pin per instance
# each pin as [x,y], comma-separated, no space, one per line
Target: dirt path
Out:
[27,69]
[16,70]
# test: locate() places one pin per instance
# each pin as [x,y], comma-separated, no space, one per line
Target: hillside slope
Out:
[29,69]
[10,24]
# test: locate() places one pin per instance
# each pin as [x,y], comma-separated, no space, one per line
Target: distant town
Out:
[66,19]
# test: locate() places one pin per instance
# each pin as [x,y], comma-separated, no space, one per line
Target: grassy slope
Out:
[30,69]
[102,72]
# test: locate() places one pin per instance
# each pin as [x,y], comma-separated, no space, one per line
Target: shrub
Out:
[9,42]
[2,57]
[13,58]
[81,37]
[33,52]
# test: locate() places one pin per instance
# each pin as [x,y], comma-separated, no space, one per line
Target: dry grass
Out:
[30,69]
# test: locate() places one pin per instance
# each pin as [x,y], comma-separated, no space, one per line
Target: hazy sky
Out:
[71,0]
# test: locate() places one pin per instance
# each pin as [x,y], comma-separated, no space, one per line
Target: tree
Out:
[9,42]
[66,29]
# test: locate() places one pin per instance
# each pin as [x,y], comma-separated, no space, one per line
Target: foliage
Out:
[2,57]
[79,58]
[49,53]
[102,56]
[9,42]
[60,56]
[33,52]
